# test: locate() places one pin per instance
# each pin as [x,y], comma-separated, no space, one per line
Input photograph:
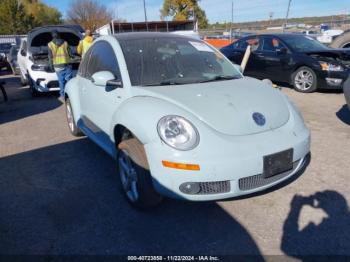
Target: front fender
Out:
[72,91]
[141,115]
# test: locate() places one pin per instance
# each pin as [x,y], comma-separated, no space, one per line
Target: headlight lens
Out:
[178,132]
[331,67]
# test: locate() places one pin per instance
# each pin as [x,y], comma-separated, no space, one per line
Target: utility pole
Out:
[231,22]
[271,16]
[285,23]
[144,9]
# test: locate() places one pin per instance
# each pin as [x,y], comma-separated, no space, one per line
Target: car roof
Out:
[281,35]
[146,35]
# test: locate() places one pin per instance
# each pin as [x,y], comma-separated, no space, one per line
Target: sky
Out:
[220,10]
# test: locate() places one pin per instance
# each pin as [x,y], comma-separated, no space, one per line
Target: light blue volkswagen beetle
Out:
[181,120]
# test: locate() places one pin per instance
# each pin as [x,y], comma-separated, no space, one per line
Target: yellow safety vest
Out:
[60,53]
[86,46]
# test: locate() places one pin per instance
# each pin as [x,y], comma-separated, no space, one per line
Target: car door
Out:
[100,103]
[273,59]
[22,56]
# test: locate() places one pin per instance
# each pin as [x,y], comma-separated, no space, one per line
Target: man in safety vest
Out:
[85,44]
[60,60]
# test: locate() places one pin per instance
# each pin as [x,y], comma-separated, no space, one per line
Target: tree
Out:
[13,18]
[89,14]
[42,13]
[183,10]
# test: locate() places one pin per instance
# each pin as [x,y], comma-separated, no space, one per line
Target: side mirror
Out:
[106,79]
[23,52]
[282,51]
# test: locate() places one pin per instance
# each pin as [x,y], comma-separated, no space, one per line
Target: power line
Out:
[285,24]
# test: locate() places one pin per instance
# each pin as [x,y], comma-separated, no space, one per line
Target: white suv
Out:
[33,57]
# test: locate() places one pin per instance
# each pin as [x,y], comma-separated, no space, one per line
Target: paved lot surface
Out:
[61,195]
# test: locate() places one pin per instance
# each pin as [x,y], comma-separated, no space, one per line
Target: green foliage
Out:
[42,13]
[183,10]
[20,16]
[13,18]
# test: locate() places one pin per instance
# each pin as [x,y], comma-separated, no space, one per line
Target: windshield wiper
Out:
[220,77]
[165,83]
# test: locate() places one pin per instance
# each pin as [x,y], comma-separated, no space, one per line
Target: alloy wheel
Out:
[128,176]
[304,80]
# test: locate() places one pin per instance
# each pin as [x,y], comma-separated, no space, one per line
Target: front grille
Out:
[252,182]
[207,188]
[52,84]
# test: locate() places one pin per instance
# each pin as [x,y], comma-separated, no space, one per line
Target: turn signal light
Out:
[182,166]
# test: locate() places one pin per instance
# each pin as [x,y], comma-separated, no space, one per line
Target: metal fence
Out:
[13,39]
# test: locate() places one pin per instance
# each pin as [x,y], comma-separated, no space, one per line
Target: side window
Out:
[102,58]
[254,42]
[272,44]
[83,64]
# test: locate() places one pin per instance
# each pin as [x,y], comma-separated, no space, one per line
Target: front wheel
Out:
[24,80]
[136,182]
[304,80]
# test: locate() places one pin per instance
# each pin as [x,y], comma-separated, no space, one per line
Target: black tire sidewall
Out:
[313,88]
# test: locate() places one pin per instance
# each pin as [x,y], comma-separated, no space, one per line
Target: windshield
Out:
[154,61]
[303,43]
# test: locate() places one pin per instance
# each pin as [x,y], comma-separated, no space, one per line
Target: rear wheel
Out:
[136,182]
[304,80]
[75,131]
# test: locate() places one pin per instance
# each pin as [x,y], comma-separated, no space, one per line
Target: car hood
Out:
[342,54]
[227,106]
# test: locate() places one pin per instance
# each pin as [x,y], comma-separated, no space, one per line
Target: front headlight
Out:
[331,67]
[178,132]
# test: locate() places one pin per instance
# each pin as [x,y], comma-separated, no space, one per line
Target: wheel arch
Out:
[72,92]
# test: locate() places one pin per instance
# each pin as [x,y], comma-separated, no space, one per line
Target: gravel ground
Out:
[60,195]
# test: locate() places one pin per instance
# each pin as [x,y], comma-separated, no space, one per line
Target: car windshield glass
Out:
[155,61]
[303,43]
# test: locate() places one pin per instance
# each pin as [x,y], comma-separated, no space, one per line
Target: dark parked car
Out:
[298,60]
[4,51]
[12,59]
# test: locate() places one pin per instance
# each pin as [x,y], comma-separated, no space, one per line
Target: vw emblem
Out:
[259,119]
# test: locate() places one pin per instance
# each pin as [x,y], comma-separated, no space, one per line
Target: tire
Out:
[32,88]
[24,81]
[304,80]
[136,183]
[33,91]
[342,41]
[74,130]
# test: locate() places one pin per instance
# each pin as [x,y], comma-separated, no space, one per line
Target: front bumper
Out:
[332,80]
[45,81]
[230,159]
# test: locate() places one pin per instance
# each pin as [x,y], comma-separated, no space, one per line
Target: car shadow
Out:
[66,199]
[20,104]
[324,91]
[344,114]
[330,237]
